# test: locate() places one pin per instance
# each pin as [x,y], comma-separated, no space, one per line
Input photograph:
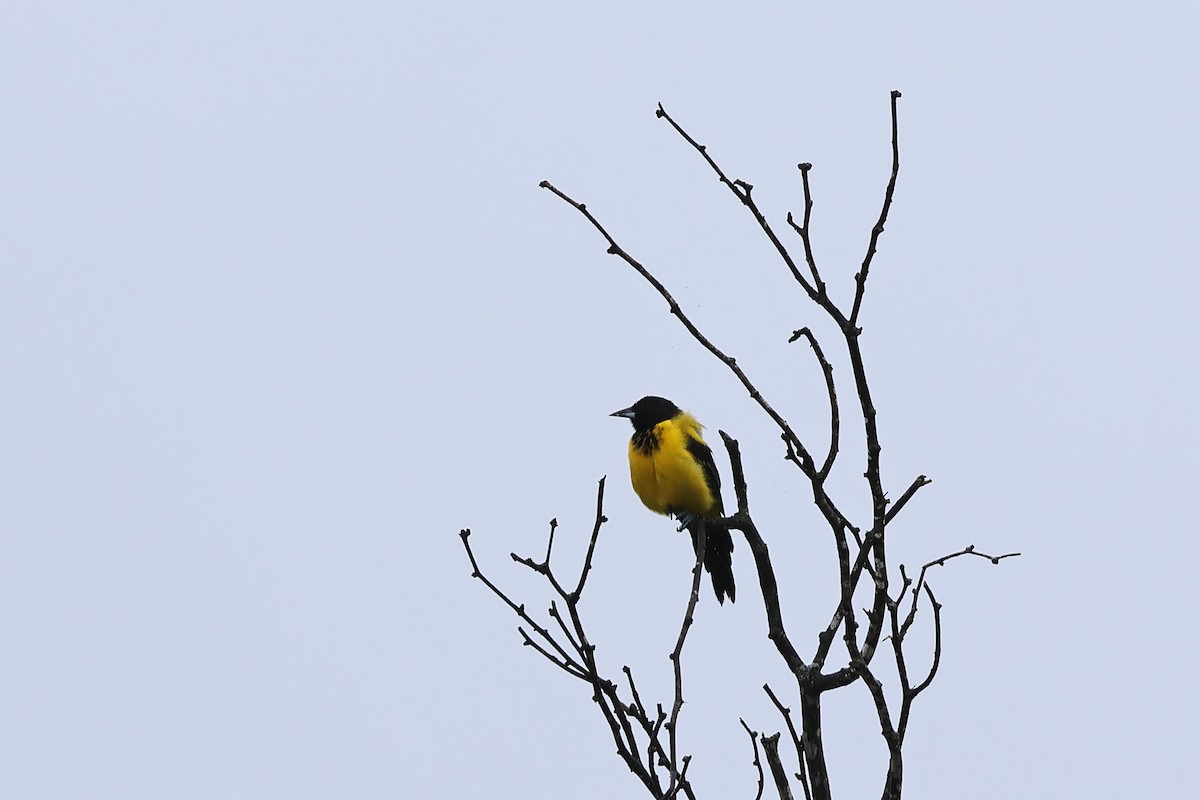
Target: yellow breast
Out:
[667,478]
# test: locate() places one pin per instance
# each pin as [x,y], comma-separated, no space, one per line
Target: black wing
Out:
[718,550]
[703,454]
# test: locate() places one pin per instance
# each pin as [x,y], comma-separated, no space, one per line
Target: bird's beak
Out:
[627,413]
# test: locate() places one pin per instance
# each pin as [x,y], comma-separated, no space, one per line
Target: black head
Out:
[648,412]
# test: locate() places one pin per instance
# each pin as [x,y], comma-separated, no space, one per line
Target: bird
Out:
[673,473]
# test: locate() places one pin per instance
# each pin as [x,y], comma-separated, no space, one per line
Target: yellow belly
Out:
[668,479]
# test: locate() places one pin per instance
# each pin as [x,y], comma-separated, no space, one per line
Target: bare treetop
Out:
[645,736]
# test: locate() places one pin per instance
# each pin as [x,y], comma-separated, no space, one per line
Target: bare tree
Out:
[645,734]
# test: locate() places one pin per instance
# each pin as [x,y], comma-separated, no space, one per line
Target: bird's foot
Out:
[685,520]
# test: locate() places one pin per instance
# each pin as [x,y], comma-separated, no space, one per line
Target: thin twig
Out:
[677,661]
[728,361]
[620,716]
[557,616]
[831,389]
[861,278]
[898,649]
[587,561]
[969,550]
[803,229]
[786,713]
[757,764]
[920,481]
[550,540]
[571,669]
[909,694]
[519,609]
[742,191]
[937,643]
[655,754]
[633,692]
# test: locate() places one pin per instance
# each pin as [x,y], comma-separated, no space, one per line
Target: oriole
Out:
[673,473]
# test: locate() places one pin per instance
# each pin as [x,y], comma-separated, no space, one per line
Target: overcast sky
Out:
[282,308]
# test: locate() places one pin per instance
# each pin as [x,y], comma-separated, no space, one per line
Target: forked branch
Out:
[647,741]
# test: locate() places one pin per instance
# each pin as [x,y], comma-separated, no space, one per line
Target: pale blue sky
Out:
[282,308]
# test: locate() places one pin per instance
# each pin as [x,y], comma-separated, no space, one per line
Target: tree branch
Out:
[757,764]
[741,521]
[786,713]
[969,550]
[624,718]
[728,361]
[937,643]
[778,773]
[861,551]
[803,230]
[587,561]
[519,610]
[861,278]
[742,191]
[677,660]
[920,481]
[831,388]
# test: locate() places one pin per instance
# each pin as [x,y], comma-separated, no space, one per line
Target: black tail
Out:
[718,557]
